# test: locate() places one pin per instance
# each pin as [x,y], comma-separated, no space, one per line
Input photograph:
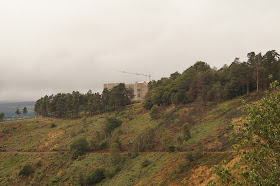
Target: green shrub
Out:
[78,147]
[115,153]
[189,156]
[111,124]
[73,134]
[181,167]
[84,120]
[93,178]
[186,132]
[103,145]
[26,170]
[155,112]
[112,172]
[145,141]
[94,144]
[54,180]
[145,163]
[180,140]
[39,163]
[53,125]
[171,148]
[6,130]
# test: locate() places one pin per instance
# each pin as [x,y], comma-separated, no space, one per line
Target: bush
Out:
[84,121]
[94,144]
[180,140]
[6,130]
[145,163]
[103,145]
[155,112]
[171,148]
[186,132]
[189,156]
[111,124]
[53,125]
[181,167]
[145,141]
[26,170]
[113,171]
[73,134]
[78,147]
[115,154]
[92,179]
[39,163]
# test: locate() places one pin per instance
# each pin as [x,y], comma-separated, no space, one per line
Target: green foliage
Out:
[78,147]
[145,141]
[103,145]
[84,121]
[24,111]
[186,132]
[171,148]
[97,142]
[26,171]
[258,143]
[115,153]
[39,163]
[18,113]
[189,156]
[93,178]
[155,112]
[145,163]
[2,115]
[111,124]
[6,130]
[70,105]
[200,83]
[53,125]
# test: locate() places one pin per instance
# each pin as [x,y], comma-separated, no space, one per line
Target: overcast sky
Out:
[52,46]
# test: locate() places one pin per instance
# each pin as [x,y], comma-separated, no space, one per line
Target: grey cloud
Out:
[59,46]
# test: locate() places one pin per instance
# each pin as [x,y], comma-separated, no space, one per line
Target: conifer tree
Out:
[24,111]
[18,113]
[2,115]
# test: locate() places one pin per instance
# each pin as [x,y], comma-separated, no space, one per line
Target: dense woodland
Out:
[203,84]
[199,83]
[72,105]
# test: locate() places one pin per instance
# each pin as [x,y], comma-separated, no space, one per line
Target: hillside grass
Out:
[48,140]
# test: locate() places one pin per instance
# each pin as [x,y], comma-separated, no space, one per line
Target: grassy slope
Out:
[32,140]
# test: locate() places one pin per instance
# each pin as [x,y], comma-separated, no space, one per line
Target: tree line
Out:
[71,105]
[203,84]
[24,112]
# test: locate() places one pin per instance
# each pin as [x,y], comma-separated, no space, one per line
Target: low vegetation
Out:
[128,145]
[26,171]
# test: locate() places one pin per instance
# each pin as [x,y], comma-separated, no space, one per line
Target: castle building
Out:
[140,89]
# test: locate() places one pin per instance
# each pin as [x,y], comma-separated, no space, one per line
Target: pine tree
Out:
[24,111]
[2,115]
[18,113]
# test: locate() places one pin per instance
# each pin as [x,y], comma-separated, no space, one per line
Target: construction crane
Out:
[147,75]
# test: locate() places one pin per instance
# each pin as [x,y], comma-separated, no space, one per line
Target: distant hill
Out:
[10,108]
